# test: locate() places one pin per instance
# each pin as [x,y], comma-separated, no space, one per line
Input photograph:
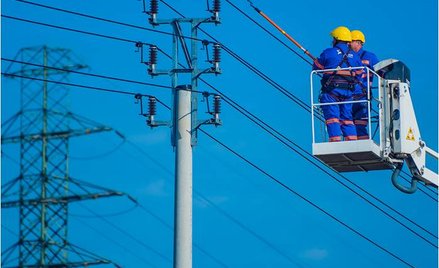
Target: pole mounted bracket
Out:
[214,112]
[152,111]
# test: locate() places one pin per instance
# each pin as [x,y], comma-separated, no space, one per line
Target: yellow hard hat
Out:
[342,33]
[358,35]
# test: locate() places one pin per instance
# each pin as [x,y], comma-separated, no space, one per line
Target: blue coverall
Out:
[359,110]
[338,86]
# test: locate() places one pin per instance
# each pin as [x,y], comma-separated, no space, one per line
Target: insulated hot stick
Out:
[282,31]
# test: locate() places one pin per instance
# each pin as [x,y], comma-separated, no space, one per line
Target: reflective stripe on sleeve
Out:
[332,121]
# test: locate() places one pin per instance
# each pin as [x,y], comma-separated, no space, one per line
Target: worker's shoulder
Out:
[331,51]
[369,54]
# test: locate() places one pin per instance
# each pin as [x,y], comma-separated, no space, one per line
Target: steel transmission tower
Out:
[44,186]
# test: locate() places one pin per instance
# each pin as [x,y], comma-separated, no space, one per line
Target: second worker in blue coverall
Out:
[338,85]
[360,110]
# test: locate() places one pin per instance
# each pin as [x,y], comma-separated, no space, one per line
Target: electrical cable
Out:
[9,231]
[108,20]
[138,205]
[268,32]
[224,213]
[248,65]
[3,154]
[355,192]
[100,76]
[74,30]
[169,227]
[162,1]
[134,253]
[334,178]
[270,130]
[115,214]
[233,54]
[101,155]
[8,252]
[84,86]
[140,242]
[338,181]
[305,199]
[87,74]
[147,84]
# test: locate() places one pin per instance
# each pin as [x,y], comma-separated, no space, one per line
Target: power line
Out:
[248,65]
[123,212]
[168,226]
[162,1]
[132,252]
[273,132]
[100,75]
[267,31]
[300,155]
[74,30]
[141,83]
[140,242]
[280,88]
[308,201]
[251,67]
[107,20]
[137,204]
[144,28]
[221,211]
[363,190]
[305,199]
[100,155]
[83,86]
[9,230]
[87,74]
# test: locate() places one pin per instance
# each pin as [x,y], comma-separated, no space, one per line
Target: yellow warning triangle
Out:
[410,136]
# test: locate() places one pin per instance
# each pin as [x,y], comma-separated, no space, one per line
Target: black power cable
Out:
[106,20]
[74,30]
[268,32]
[283,43]
[212,204]
[162,1]
[83,86]
[344,177]
[304,198]
[236,56]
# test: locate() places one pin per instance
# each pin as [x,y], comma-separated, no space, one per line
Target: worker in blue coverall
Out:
[360,110]
[338,85]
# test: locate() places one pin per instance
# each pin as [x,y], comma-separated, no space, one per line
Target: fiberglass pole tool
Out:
[282,31]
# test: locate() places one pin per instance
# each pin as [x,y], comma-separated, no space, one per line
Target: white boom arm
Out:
[403,135]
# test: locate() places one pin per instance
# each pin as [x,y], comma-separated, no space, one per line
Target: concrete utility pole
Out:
[184,122]
[183,181]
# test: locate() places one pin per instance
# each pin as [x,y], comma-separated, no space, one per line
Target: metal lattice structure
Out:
[44,185]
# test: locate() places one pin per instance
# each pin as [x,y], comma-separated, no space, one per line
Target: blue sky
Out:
[281,230]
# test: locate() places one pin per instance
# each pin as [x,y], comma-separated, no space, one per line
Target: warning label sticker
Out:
[410,136]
